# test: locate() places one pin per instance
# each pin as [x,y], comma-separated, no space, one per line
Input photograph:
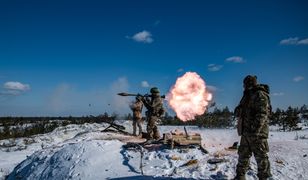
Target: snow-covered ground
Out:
[84,152]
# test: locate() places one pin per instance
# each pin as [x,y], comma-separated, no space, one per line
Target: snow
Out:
[88,159]
[84,152]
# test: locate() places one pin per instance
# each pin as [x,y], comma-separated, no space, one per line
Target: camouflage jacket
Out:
[137,109]
[255,108]
[154,106]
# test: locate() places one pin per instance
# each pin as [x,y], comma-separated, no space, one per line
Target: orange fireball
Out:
[189,96]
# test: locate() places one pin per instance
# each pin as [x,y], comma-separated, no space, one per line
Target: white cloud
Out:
[235,59]
[289,41]
[145,84]
[294,41]
[214,67]
[180,70]
[12,88]
[278,94]
[16,86]
[298,78]
[143,36]
[303,42]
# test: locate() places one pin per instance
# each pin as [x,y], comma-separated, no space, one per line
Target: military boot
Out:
[267,178]
[239,177]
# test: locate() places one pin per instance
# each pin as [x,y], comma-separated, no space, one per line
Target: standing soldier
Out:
[155,111]
[136,107]
[253,112]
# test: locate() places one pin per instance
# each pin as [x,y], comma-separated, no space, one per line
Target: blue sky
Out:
[72,57]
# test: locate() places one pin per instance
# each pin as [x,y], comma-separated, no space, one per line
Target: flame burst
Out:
[189,96]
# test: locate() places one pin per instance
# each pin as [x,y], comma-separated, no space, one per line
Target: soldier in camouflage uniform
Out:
[136,107]
[253,112]
[155,111]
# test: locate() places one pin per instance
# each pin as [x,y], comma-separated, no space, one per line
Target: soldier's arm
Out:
[146,104]
[237,111]
[139,105]
[157,104]
[261,110]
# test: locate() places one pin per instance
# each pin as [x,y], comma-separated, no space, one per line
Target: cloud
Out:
[12,88]
[235,59]
[16,86]
[145,84]
[214,67]
[289,41]
[143,36]
[278,94]
[303,42]
[180,70]
[298,78]
[294,41]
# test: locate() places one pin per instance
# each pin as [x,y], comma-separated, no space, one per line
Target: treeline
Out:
[287,120]
[218,118]
[14,127]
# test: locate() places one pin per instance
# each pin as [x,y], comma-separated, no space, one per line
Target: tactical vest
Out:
[155,107]
[137,110]
[255,108]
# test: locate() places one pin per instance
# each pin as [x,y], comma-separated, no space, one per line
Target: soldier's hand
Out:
[139,97]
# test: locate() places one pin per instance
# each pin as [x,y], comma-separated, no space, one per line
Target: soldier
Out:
[155,111]
[136,107]
[253,112]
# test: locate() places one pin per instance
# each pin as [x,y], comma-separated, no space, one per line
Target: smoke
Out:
[189,96]
[119,104]
[60,98]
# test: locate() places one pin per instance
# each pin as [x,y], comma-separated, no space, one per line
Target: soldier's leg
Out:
[260,150]
[150,125]
[134,127]
[156,132]
[139,126]
[244,154]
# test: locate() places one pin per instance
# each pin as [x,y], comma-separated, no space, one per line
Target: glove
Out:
[139,97]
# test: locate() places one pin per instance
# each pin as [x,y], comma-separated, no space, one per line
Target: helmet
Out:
[250,81]
[154,90]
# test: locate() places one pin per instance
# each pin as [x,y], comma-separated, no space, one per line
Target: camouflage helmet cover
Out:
[154,90]
[250,80]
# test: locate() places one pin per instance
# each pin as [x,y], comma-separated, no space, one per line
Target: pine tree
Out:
[276,117]
[304,112]
[291,118]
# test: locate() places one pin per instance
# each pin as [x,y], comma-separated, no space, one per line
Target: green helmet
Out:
[250,80]
[154,90]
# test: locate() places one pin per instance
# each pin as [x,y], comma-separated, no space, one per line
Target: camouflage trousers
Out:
[259,148]
[137,122]
[152,129]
